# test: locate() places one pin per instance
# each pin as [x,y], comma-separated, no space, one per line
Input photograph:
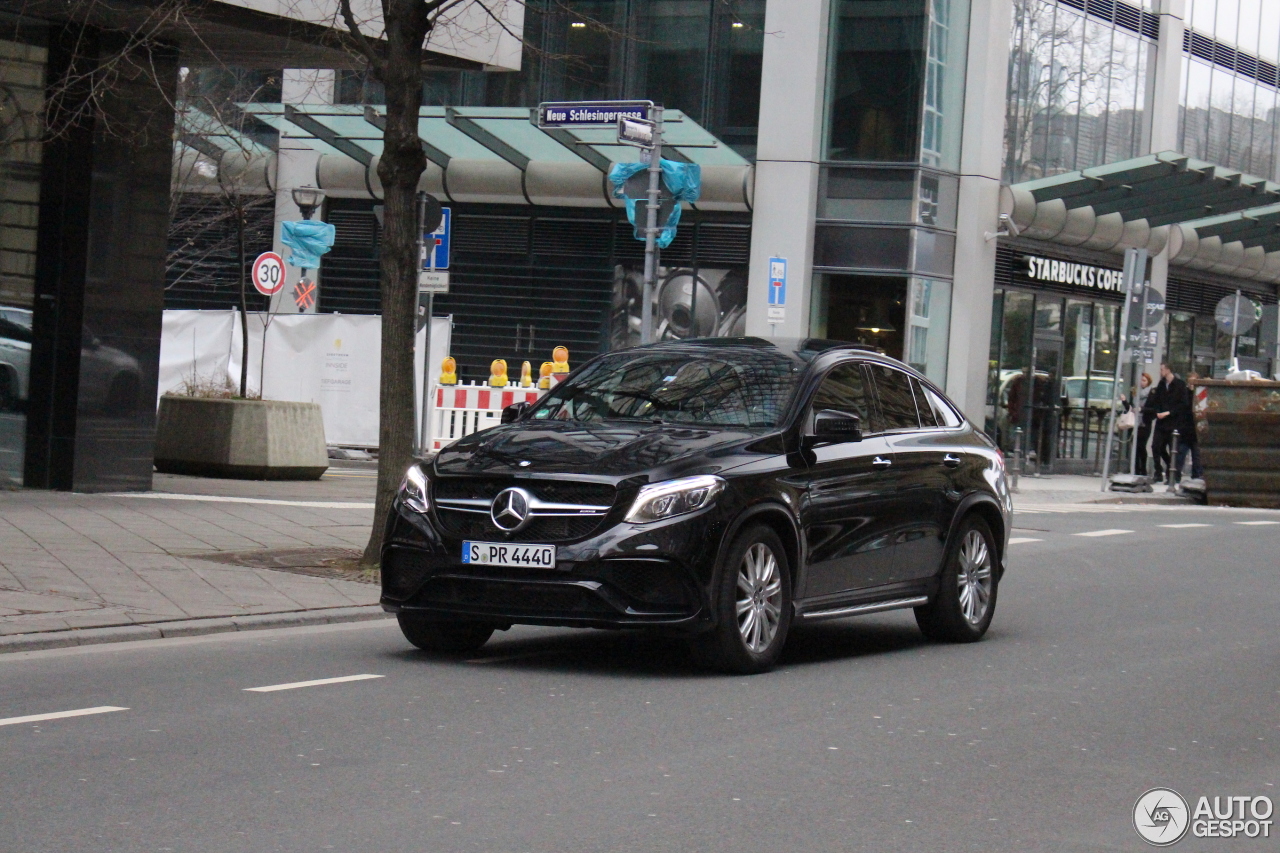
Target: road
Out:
[1117,662]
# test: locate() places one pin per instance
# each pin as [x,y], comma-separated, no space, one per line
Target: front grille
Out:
[553,528]
[507,597]
[551,491]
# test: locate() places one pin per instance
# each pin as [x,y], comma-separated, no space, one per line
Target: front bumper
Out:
[625,575]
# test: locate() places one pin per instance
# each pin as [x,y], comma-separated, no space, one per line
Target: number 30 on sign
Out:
[268,273]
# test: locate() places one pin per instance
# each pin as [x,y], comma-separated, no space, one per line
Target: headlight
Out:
[414,490]
[674,497]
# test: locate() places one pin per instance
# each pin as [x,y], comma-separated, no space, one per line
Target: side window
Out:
[844,389]
[928,417]
[897,403]
[942,410]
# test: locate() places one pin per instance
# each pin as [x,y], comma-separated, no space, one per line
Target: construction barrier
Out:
[460,410]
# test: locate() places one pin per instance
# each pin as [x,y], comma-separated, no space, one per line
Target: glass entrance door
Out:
[1042,409]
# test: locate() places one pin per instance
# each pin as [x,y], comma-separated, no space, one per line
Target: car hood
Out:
[615,449]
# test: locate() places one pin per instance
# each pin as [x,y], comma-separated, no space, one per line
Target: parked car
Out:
[1100,387]
[723,488]
[110,378]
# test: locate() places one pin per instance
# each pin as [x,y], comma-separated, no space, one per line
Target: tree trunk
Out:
[407,23]
[244,310]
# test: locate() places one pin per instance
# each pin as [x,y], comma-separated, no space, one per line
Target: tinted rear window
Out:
[897,403]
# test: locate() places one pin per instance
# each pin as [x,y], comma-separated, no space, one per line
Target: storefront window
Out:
[1180,339]
[22,68]
[929,323]
[862,309]
[875,89]
[944,82]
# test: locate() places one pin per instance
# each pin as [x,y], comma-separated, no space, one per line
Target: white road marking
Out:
[293,685]
[1113,532]
[1257,522]
[1018,540]
[1181,526]
[60,715]
[224,499]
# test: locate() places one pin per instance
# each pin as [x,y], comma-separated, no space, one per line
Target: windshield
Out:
[748,389]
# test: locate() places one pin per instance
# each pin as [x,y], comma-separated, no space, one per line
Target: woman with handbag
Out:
[1144,427]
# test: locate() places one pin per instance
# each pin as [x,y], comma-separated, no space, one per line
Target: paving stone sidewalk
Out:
[71,561]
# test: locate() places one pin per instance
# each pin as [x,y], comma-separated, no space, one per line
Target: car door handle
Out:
[951,461]
[884,463]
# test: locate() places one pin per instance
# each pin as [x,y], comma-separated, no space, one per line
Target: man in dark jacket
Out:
[1170,404]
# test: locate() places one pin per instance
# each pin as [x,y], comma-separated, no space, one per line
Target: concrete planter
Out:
[240,439]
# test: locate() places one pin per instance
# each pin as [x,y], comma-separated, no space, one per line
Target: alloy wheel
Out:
[974,577]
[759,602]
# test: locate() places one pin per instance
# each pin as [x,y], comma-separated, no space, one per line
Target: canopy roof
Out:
[1209,216]
[484,154]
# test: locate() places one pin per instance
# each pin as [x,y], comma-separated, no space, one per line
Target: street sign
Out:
[1236,314]
[1149,338]
[437,242]
[634,131]
[590,113]
[1142,354]
[1155,309]
[304,294]
[268,273]
[433,282]
[777,290]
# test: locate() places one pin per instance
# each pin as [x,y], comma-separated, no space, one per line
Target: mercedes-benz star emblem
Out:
[510,510]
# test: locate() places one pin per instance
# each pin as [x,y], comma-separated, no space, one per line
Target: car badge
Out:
[510,510]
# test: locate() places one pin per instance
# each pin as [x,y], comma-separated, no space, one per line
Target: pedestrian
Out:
[1145,420]
[1170,405]
[1188,441]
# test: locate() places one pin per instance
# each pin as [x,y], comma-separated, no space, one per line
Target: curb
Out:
[187,628]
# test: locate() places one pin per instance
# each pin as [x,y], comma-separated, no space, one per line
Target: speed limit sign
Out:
[268,273]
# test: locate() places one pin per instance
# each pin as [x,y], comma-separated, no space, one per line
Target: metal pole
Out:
[1235,330]
[1015,469]
[1130,261]
[424,427]
[651,231]
[1173,460]
[1137,373]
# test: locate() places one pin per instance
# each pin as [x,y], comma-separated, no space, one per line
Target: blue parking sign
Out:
[777,281]
[437,242]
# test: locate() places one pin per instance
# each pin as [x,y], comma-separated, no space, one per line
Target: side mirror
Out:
[833,426]
[515,412]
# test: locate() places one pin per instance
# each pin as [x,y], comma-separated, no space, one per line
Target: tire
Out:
[443,637]
[961,610]
[753,607]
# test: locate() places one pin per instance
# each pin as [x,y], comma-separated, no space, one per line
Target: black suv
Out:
[724,488]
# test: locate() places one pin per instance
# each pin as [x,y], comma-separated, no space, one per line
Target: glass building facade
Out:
[702,57]
[22,78]
[884,243]
[1229,100]
[1078,86]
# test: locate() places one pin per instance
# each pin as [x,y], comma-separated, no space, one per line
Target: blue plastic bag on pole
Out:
[309,239]
[683,182]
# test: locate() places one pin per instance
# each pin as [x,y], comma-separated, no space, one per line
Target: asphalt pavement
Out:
[1132,647]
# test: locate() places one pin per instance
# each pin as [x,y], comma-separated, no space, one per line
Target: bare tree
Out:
[396,62]
[219,156]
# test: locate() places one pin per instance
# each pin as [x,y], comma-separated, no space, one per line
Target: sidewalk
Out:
[1084,489]
[75,561]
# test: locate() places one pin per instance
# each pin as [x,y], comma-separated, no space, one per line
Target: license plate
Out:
[507,554]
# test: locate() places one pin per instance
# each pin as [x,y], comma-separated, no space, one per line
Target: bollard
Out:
[1173,460]
[1016,467]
